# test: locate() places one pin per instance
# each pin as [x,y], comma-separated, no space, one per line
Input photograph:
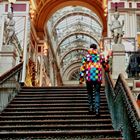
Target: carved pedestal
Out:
[118,62]
[7,58]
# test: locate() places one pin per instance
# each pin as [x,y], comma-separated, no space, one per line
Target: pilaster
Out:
[118,62]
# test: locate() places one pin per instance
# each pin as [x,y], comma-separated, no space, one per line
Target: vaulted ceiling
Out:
[73,29]
[73,25]
[44,9]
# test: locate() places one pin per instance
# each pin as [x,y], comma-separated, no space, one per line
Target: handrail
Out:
[129,93]
[124,110]
[10,73]
[111,80]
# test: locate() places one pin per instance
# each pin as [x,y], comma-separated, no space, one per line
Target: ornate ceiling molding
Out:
[70,51]
[79,27]
[70,68]
[94,37]
[61,18]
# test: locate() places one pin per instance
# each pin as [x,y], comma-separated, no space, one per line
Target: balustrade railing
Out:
[9,85]
[125,112]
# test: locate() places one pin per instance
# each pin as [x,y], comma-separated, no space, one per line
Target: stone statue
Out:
[9,29]
[116,29]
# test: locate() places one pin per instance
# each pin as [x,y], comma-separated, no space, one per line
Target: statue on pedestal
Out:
[9,29]
[116,29]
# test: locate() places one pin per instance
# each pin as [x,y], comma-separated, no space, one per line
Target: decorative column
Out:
[25,52]
[41,67]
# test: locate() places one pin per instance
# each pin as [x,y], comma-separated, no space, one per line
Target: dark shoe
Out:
[90,108]
[97,113]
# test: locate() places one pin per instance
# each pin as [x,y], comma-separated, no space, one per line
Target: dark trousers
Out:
[96,94]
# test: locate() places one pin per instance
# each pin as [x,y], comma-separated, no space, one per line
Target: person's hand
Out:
[110,53]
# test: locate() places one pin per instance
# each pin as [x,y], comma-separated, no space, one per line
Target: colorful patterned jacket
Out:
[91,67]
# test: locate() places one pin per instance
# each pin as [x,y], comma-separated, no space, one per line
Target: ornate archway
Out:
[46,8]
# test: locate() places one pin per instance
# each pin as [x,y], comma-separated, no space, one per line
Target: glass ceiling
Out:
[74,28]
[77,38]
[78,20]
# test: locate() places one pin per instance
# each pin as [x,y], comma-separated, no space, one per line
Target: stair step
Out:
[57,88]
[56,98]
[58,92]
[53,91]
[84,108]
[11,105]
[51,101]
[66,112]
[103,133]
[110,139]
[31,117]
[55,95]
[56,127]
[31,94]
[55,121]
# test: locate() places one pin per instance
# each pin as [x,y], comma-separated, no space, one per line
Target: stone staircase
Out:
[58,113]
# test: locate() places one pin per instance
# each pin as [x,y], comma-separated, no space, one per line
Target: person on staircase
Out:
[91,72]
